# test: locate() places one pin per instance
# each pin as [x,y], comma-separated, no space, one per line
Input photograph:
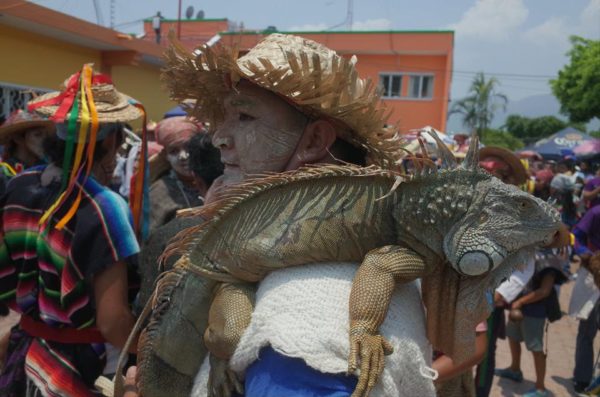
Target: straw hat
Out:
[111,105]
[21,121]
[517,168]
[311,77]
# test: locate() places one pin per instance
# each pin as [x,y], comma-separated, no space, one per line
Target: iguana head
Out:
[480,229]
[500,221]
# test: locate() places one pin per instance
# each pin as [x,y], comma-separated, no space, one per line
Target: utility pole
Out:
[179,21]
[99,19]
[350,14]
[112,14]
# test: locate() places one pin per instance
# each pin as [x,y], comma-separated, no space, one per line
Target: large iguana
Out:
[458,228]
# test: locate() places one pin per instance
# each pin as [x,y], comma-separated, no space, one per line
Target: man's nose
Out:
[221,138]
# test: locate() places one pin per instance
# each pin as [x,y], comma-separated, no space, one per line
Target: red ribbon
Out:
[67,97]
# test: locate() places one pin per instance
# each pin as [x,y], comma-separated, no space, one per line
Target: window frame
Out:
[421,76]
[409,74]
[391,75]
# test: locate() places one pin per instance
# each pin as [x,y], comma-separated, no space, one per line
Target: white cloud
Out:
[553,32]
[373,24]
[492,20]
[590,20]
[369,24]
[308,27]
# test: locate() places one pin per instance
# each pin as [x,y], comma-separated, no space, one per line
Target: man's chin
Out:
[232,177]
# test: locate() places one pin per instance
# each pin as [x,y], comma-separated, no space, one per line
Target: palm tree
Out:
[479,107]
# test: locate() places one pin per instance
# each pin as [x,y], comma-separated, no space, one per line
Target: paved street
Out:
[561,354]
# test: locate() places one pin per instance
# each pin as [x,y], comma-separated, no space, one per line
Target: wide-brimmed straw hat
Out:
[21,121]
[517,168]
[308,75]
[111,105]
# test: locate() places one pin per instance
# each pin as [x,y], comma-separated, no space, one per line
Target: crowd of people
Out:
[83,197]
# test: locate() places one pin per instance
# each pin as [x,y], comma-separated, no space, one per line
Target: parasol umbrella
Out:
[529,154]
[588,149]
[561,144]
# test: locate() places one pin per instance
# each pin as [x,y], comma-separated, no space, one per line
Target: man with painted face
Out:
[263,127]
[176,189]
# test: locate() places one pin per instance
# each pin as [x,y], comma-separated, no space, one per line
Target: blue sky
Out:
[521,42]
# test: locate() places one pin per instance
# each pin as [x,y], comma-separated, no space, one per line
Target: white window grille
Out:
[13,97]
[391,85]
[420,86]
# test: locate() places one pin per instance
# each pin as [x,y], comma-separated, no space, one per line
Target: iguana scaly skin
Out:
[459,229]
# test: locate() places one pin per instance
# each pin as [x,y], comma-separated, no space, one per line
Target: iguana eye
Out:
[523,204]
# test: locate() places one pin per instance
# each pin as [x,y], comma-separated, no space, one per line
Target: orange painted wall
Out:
[407,112]
[428,53]
[416,52]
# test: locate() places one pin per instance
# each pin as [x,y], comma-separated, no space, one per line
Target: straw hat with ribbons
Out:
[88,101]
[308,75]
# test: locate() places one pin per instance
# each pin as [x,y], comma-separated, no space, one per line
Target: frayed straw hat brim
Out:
[120,111]
[509,158]
[10,130]
[315,79]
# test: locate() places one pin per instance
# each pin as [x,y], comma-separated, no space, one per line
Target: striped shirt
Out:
[48,273]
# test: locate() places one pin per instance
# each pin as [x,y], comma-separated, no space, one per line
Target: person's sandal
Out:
[508,373]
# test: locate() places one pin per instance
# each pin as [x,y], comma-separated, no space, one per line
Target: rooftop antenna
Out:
[189,12]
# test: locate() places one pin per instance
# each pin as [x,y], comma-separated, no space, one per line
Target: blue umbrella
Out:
[559,145]
[176,111]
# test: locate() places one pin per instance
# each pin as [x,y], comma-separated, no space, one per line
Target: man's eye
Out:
[246,117]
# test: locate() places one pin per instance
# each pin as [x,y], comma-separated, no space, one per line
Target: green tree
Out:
[532,129]
[479,107]
[501,138]
[577,87]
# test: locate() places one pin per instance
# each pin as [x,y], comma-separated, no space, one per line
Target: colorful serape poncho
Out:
[47,274]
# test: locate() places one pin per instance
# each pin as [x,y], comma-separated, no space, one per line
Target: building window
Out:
[391,85]
[13,97]
[420,86]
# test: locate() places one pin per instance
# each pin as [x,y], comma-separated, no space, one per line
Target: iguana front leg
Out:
[370,298]
[228,318]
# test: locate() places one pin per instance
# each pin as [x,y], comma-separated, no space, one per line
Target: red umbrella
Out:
[588,148]
[529,154]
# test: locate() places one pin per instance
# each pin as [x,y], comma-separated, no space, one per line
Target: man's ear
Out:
[314,146]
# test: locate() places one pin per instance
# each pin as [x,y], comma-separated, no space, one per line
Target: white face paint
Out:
[179,158]
[259,134]
[34,139]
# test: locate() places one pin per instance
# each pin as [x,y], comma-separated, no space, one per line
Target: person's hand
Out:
[499,300]
[130,387]
[516,305]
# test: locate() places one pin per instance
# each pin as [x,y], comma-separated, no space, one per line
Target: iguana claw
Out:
[222,381]
[368,349]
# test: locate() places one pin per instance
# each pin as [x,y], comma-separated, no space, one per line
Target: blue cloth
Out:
[276,375]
